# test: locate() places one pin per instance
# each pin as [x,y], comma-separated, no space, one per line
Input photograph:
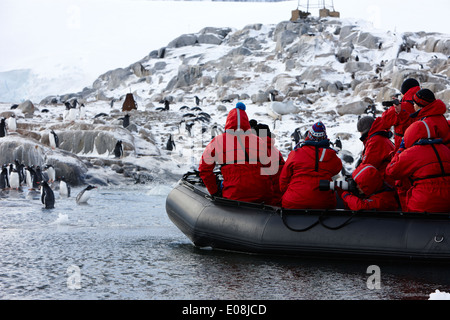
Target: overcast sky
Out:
[100,35]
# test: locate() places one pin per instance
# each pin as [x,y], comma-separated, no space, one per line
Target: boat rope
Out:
[337,227]
[283,218]
[320,220]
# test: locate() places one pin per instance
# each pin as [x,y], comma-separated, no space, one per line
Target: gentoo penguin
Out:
[54,140]
[50,173]
[170,145]
[4,178]
[215,131]
[85,194]
[66,111]
[82,111]
[14,180]
[38,174]
[29,177]
[12,124]
[2,127]
[126,120]
[72,114]
[47,195]
[118,150]
[296,137]
[21,170]
[64,188]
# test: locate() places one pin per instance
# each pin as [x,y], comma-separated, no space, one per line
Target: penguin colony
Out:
[16,176]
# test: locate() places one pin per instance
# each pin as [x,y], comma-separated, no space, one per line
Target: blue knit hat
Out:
[318,132]
[241,106]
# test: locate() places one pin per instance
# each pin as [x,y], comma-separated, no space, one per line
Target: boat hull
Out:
[244,227]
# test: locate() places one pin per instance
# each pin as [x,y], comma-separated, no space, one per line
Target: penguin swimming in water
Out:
[47,196]
[118,149]
[54,140]
[64,188]
[85,194]
[2,127]
[170,145]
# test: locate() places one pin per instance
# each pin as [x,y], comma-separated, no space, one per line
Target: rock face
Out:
[313,52]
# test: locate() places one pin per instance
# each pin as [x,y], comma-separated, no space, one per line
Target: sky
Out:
[89,37]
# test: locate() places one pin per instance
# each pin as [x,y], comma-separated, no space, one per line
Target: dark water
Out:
[121,245]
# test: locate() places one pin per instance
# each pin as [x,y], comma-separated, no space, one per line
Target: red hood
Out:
[377,126]
[435,108]
[368,179]
[416,131]
[237,121]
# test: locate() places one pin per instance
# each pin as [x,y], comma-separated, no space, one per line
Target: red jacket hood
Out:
[437,107]
[237,119]
[368,179]
[377,126]
[417,131]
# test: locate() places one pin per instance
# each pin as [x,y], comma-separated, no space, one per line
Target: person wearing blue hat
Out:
[241,155]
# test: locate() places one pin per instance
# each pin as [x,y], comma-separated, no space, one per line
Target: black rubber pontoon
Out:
[245,227]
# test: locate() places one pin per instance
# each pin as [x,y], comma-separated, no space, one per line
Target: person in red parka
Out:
[425,160]
[263,131]
[432,110]
[378,148]
[374,193]
[241,155]
[311,161]
[398,116]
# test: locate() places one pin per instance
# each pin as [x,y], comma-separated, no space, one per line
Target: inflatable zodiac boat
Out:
[256,228]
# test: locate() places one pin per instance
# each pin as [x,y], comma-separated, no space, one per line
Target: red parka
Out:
[242,156]
[378,148]
[433,115]
[274,172]
[302,172]
[377,195]
[402,120]
[426,162]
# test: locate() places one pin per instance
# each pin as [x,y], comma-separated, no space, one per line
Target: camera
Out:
[391,103]
[347,185]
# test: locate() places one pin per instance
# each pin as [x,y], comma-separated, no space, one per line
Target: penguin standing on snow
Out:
[118,150]
[82,111]
[47,195]
[66,111]
[2,128]
[64,188]
[126,120]
[50,170]
[4,178]
[14,180]
[21,170]
[12,123]
[85,194]
[170,145]
[54,140]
